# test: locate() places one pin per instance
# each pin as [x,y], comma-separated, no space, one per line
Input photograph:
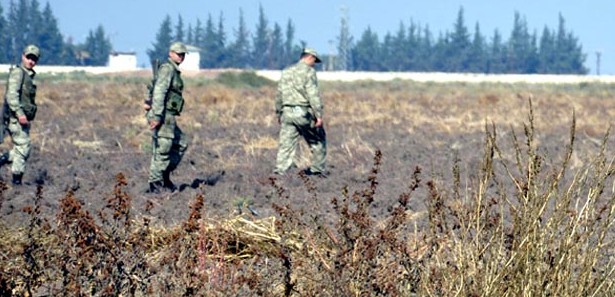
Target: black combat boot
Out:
[155,187]
[4,158]
[17,178]
[167,183]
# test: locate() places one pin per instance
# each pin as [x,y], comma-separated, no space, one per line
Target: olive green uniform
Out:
[169,143]
[20,100]
[298,105]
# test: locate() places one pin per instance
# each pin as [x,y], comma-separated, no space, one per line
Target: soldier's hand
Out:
[147,106]
[153,124]
[22,119]
[318,123]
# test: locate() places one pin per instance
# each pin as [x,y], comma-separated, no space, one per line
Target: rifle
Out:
[4,117]
[147,103]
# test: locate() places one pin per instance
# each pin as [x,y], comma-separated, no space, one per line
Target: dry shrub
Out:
[519,226]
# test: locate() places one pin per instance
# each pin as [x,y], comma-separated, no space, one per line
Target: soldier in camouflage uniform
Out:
[168,141]
[300,112]
[19,111]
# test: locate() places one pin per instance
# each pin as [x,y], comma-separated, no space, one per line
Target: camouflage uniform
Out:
[297,106]
[169,143]
[20,101]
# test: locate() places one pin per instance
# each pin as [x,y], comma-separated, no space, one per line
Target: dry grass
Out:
[524,220]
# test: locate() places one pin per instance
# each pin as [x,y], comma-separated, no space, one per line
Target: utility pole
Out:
[344,42]
[598,55]
[330,66]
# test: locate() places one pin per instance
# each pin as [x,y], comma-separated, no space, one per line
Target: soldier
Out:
[168,141]
[19,110]
[300,112]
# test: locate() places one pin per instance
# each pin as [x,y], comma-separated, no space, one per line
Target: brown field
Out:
[88,130]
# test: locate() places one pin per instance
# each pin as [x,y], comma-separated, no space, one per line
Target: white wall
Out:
[122,61]
[347,76]
[191,62]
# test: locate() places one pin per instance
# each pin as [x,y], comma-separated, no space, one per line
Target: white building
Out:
[193,59]
[122,61]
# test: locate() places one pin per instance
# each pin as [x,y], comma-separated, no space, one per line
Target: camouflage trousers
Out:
[20,136]
[169,144]
[298,121]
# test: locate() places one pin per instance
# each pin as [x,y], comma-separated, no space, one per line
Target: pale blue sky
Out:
[132,24]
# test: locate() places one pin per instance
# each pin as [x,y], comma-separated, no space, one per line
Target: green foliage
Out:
[98,47]
[243,79]
[164,38]
[27,23]
[558,53]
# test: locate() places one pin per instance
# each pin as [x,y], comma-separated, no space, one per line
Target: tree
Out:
[50,40]
[291,52]
[424,49]
[386,50]
[98,46]
[546,52]
[569,53]
[441,55]
[198,35]
[496,62]
[521,52]
[397,53]
[477,58]
[366,53]
[261,42]
[221,52]
[164,39]
[189,35]
[276,49]
[458,45]
[239,50]
[209,45]
[179,29]
[5,42]
[19,29]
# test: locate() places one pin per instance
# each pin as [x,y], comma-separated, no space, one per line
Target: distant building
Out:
[122,61]
[193,58]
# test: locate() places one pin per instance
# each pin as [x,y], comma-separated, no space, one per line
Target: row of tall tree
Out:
[414,49]
[273,46]
[26,22]
[268,48]
[411,48]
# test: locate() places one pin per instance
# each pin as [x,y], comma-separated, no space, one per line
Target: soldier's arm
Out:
[13,91]
[165,74]
[313,94]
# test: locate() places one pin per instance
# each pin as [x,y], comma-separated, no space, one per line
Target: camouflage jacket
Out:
[21,92]
[167,91]
[298,86]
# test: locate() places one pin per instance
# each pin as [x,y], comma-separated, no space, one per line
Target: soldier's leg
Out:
[287,146]
[160,159]
[20,153]
[317,140]
[180,145]
[178,149]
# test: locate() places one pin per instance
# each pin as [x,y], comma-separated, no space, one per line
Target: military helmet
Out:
[312,52]
[178,47]
[32,50]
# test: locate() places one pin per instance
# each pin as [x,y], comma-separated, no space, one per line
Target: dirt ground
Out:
[89,131]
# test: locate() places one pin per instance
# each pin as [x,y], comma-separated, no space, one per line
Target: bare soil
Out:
[89,131]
